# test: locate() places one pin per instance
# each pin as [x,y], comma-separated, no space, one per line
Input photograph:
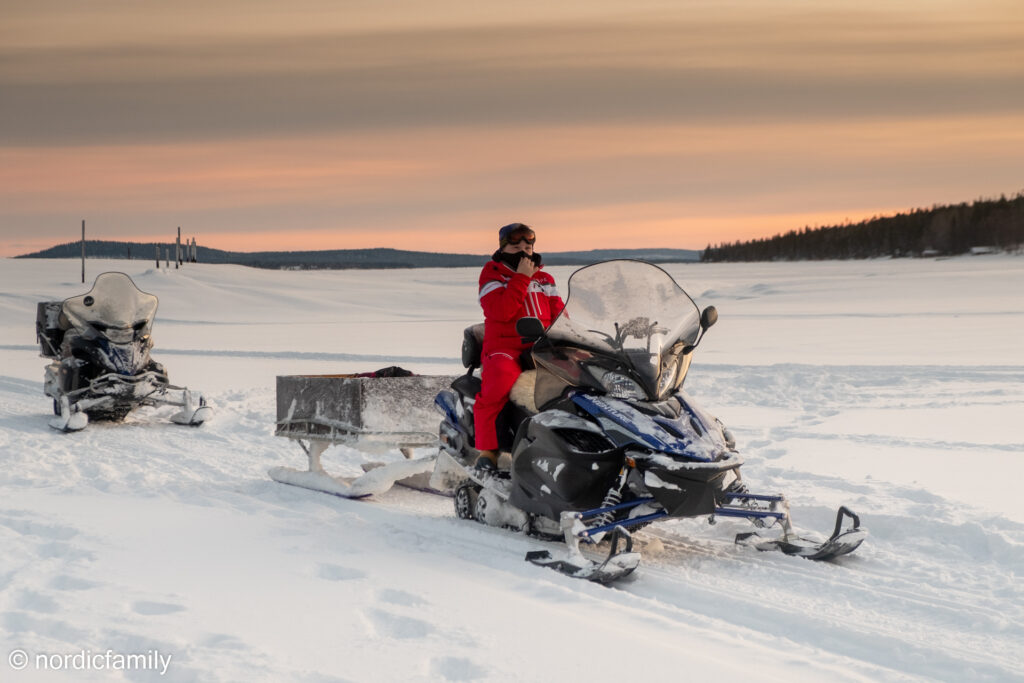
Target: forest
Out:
[982,225]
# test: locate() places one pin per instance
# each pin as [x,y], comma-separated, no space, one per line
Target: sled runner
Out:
[375,410]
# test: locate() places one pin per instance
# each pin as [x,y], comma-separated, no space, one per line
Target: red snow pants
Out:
[498,372]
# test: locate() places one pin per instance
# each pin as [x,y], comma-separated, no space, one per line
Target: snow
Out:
[893,386]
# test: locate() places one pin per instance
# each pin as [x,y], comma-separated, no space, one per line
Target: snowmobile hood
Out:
[691,434]
[114,306]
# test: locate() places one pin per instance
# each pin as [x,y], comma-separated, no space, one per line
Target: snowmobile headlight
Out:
[119,335]
[617,384]
[667,381]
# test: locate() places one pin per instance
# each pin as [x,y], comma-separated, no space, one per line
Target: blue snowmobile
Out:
[603,439]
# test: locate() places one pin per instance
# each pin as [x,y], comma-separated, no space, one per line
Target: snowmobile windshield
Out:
[114,307]
[632,312]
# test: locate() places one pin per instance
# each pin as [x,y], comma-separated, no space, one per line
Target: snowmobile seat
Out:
[522,393]
[472,345]
[467,385]
[50,327]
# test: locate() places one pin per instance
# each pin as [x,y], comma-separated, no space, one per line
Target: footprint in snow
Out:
[62,550]
[30,527]
[70,583]
[223,641]
[334,572]
[456,669]
[391,625]
[37,602]
[399,597]
[156,608]
[18,623]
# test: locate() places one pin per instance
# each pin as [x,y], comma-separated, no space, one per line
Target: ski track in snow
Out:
[933,591]
[149,536]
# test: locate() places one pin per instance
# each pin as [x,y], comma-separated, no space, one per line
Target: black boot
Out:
[487,462]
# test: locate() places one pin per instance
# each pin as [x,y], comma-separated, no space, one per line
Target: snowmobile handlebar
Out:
[530,329]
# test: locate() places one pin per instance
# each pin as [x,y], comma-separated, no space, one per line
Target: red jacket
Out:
[506,296]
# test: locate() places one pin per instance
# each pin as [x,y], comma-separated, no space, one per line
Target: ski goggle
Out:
[520,236]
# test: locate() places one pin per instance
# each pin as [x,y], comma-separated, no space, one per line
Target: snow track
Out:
[857,610]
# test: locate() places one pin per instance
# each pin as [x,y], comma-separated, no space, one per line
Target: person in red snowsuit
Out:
[512,286]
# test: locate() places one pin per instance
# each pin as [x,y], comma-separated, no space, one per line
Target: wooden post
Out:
[157,256]
[83,251]
[177,250]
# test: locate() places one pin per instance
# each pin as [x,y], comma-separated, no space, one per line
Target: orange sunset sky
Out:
[316,124]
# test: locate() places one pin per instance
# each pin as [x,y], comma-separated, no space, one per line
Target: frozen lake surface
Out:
[894,387]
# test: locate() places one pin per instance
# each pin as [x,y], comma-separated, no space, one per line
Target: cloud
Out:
[705,70]
[384,184]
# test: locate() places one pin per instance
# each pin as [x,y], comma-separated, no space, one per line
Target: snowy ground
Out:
[894,387]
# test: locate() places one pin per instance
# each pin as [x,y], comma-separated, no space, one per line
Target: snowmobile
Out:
[601,438]
[99,344]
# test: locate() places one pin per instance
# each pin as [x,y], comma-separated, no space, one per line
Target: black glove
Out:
[514,258]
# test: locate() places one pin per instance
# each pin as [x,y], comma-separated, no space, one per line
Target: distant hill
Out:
[983,226]
[346,258]
[578,258]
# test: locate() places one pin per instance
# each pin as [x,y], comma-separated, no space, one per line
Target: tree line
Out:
[938,231]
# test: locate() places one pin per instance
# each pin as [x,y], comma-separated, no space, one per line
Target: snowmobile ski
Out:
[67,420]
[617,565]
[194,412]
[841,542]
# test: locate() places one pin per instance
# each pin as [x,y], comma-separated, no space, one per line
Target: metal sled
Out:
[319,411]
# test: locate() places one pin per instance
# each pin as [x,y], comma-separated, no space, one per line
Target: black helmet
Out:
[514,230]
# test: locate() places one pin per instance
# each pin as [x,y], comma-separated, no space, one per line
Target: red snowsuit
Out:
[506,296]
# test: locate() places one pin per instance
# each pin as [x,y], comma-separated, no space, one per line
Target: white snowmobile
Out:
[607,440]
[99,343]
